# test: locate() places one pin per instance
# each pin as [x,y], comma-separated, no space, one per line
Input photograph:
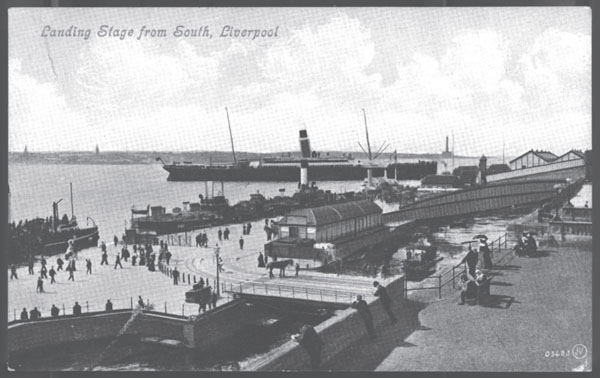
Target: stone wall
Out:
[337,334]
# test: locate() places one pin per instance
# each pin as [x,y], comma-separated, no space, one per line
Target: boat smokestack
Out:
[304,144]
[304,173]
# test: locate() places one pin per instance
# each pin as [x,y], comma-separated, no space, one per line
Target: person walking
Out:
[310,340]
[118,262]
[297,269]
[103,246]
[116,240]
[44,272]
[244,229]
[175,276]
[71,273]
[168,256]
[363,309]
[104,258]
[43,261]
[40,285]
[54,311]
[30,266]
[13,272]
[24,315]
[141,302]
[108,306]
[88,266]
[241,243]
[386,301]
[261,260]
[77,309]
[199,240]
[220,234]
[226,233]
[205,239]
[52,273]
[59,263]
[248,228]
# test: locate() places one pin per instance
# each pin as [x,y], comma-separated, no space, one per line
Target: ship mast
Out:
[230,136]
[367,132]
[72,213]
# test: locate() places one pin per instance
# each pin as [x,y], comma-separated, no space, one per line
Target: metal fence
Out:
[449,276]
[288,291]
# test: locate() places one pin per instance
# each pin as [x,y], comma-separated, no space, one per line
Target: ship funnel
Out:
[304,173]
[304,144]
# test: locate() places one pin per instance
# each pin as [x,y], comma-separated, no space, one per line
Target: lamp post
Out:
[217,257]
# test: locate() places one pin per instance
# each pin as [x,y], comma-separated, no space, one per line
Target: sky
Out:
[491,77]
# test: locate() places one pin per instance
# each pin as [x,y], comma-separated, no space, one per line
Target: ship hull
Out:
[83,238]
[276,174]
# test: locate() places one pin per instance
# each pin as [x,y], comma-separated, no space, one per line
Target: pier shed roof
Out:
[318,216]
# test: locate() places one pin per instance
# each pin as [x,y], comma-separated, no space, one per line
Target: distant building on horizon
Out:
[447,154]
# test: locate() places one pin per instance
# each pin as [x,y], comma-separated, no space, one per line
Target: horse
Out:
[281,264]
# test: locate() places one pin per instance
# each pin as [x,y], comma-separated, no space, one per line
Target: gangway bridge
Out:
[484,198]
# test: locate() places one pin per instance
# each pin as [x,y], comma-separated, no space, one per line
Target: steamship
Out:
[288,169]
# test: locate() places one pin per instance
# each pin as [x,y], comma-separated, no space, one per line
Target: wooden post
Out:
[453,278]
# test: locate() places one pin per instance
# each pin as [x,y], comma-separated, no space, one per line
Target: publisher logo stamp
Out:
[579,351]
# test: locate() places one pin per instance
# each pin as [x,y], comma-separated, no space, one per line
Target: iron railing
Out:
[450,275]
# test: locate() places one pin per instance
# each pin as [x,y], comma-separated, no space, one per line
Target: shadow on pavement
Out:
[367,354]
[499,301]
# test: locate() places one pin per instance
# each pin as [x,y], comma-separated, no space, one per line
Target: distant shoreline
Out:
[198,157]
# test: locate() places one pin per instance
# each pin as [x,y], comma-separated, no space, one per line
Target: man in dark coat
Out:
[386,301]
[103,247]
[54,311]
[116,240]
[199,240]
[104,258]
[248,228]
[241,243]
[363,309]
[71,272]
[34,314]
[226,233]
[168,257]
[60,263]
[43,261]
[175,276]
[214,298]
[24,314]
[40,285]
[220,234]
[13,272]
[30,265]
[118,262]
[310,340]
[261,260]
[108,306]
[244,230]
[471,259]
[77,309]
[88,266]
[44,272]
[52,273]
